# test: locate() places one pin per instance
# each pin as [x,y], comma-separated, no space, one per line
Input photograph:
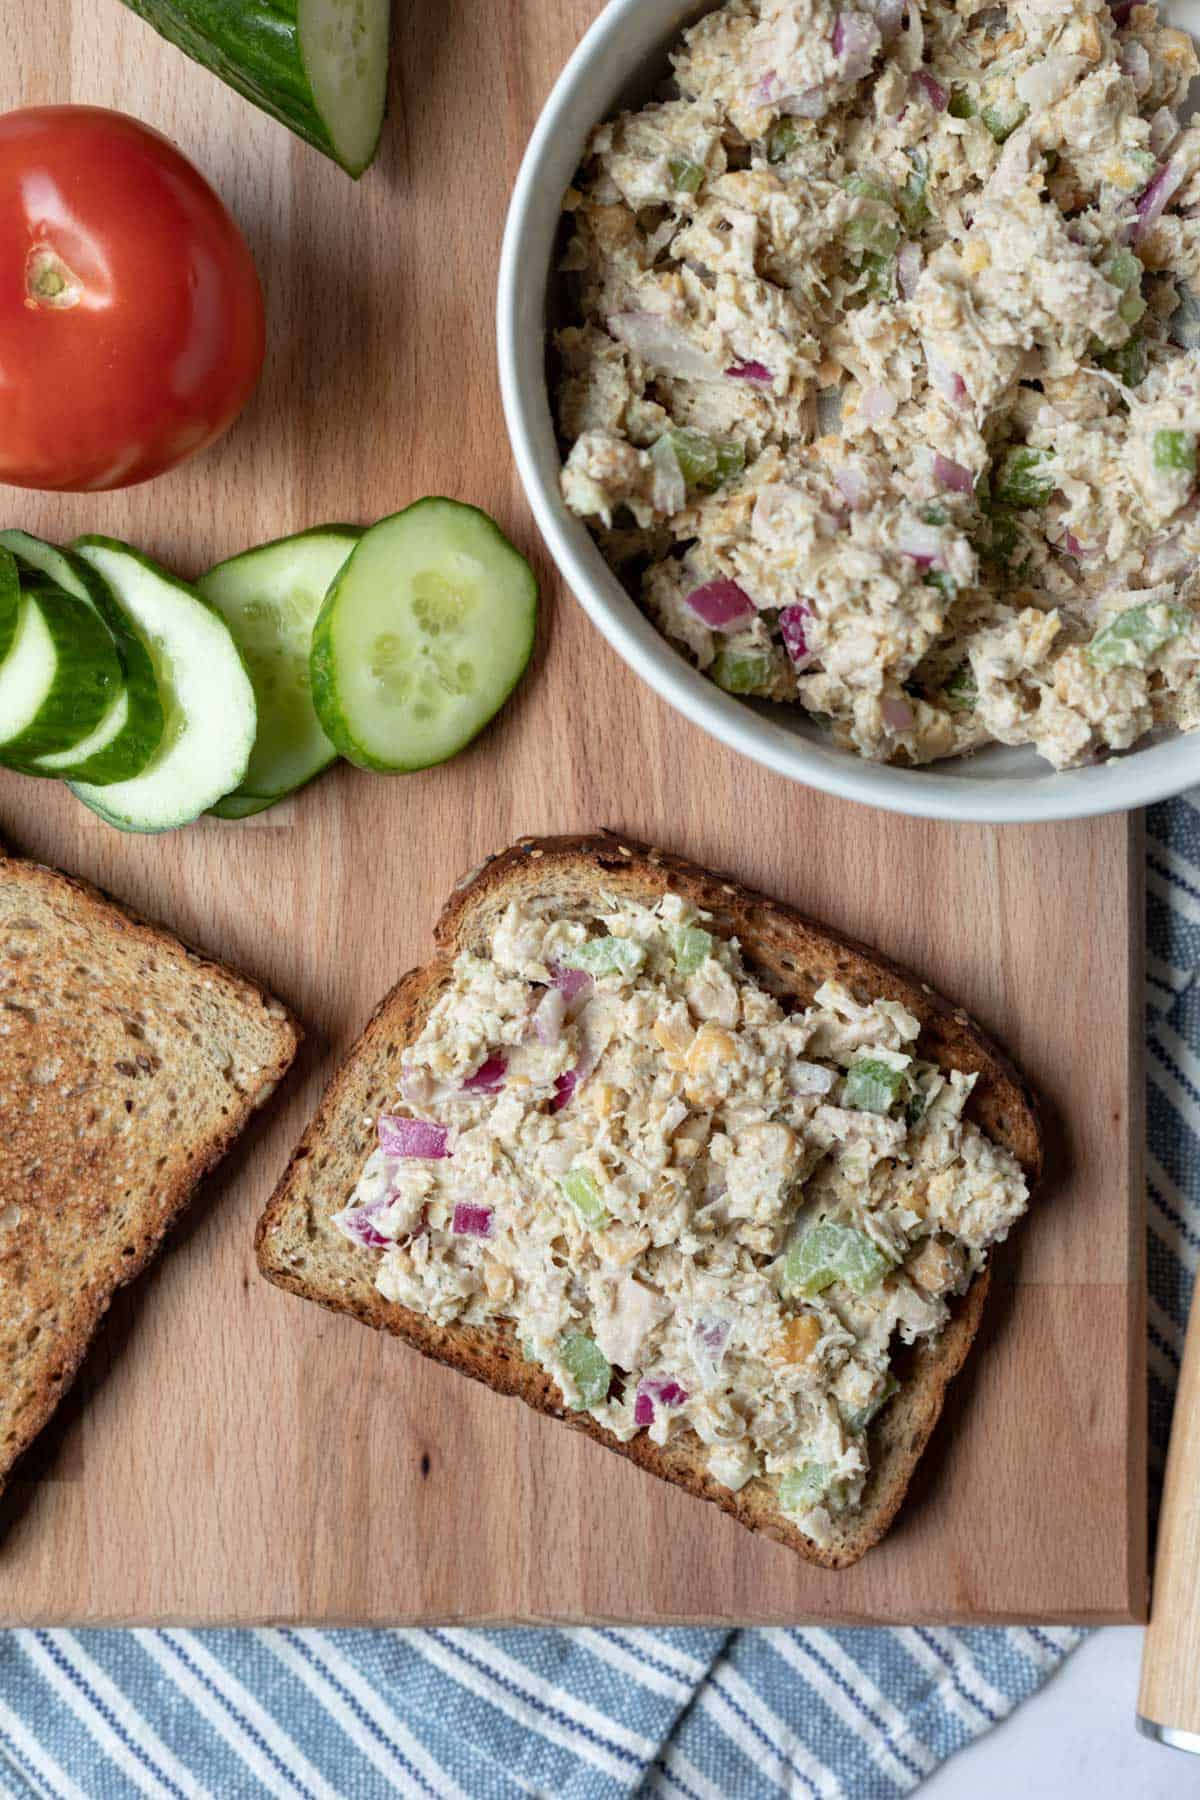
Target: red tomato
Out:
[131,318]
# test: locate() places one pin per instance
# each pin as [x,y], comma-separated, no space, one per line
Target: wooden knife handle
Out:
[1169,1702]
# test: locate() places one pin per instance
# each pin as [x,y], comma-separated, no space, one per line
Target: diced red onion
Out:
[488,1077]
[1072,546]
[472,1221]
[764,89]
[952,475]
[710,1338]
[1135,62]
[933,90]
[1164,129]
[664,345]
[572,984]
[856,39]
[909,263]
[946,380]
[853,484]
[564,1088]
[749,371]
[654,1391]
[1120,10]
[355,1223]
[1155,199]
[920,542]
[413,1138]
[813,103]
[795,640]
[878,405]
[721,604]
[897,714]
[889,16]
[548,1016]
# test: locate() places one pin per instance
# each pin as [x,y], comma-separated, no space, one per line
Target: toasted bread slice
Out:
[299,1249]
[128,1065]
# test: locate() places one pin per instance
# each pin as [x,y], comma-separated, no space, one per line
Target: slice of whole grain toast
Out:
[128,1065]
[299,1249]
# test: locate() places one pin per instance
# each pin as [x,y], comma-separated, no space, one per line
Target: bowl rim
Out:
[1136,779]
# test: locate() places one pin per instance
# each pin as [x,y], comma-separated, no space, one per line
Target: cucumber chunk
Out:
[207,695]
[422,637]
[318,66]
[10,600]
[270,598]
[59,677]
[130,731]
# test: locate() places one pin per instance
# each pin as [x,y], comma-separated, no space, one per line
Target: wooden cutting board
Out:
[233,1455]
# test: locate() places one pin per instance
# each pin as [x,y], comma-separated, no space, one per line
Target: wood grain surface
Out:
[233,1455]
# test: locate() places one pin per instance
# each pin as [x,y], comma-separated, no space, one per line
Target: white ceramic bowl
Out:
[618,63]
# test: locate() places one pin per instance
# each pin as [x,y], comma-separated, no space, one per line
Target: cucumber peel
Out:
[10,600]
[206,692]
[318,66]
[130,731]
[270,597]
[59,678]
[423,636]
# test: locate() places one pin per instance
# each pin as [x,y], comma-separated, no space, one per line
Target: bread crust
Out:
[299,1250]
[78,971]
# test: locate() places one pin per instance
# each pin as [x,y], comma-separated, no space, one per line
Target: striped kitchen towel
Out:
[589,1714]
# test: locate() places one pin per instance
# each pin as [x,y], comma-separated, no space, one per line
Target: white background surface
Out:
[1076,1737]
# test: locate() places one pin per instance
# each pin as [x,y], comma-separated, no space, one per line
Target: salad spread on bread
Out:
[700,1211]
[881,386]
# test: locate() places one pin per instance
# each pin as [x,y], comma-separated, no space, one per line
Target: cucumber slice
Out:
[243,806]
[318,66]
[269,598]
[10,600]
[208,698]
[59,677]
[423,636]
[130,731]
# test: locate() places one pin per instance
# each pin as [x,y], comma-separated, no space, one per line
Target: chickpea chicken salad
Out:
[700,1212]
[881,382]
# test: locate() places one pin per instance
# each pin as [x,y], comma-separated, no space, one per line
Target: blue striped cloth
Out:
[596,1714]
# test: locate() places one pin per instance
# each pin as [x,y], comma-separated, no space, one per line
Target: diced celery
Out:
[583,1191]
[872,1085]
[1002,118]
[880,271]
[998,536]
[686,175]
[695,453]
[588,1368]
[1018,482]
[943,581]
[962,106]
[731,460]
[960,691]
[1128,362]
[829,1252]
[742,674]
[807,1485]
[1124,271]
[934,515]
[913,199]
[1132,309]
[863,1415]
[1136,634]
[1175,450]
[868,187]
[691,947]
[704,462]
[872,232]
[606,956]
[783,141]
